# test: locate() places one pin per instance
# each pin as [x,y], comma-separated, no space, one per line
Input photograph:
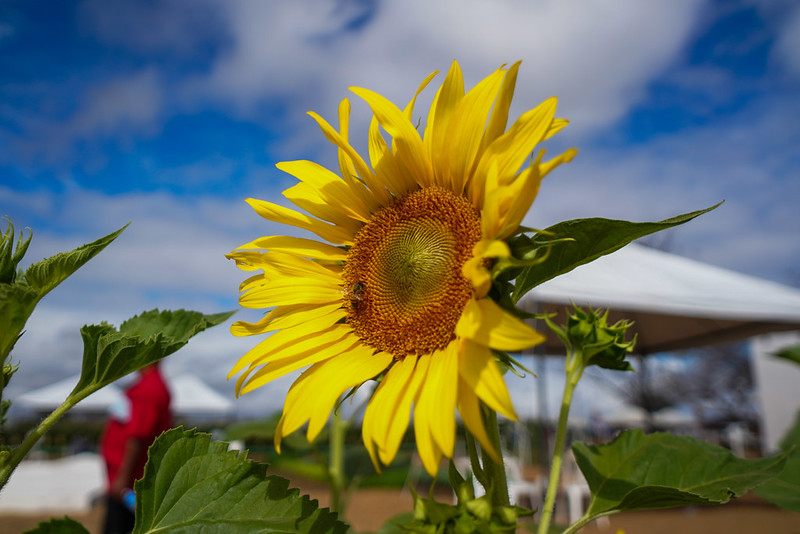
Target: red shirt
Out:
[148,416]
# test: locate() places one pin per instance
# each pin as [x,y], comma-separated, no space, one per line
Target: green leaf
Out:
[661,470]
[141,340]
[10,256]
[192,484]
[588,335]
[579,241]
[17,302]
[784,490]
[19,296]
[790,353]
[48,273]
[59,526]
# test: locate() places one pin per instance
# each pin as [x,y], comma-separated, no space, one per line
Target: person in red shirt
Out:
[132,427]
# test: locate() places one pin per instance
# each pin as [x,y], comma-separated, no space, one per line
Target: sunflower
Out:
[398,288]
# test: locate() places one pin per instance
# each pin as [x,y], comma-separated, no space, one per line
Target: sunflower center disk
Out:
[403,284]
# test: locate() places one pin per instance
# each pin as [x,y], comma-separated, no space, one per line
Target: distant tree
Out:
[715,382]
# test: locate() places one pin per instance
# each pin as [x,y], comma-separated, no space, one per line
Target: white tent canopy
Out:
[675,302]
[191,397]
[49,397]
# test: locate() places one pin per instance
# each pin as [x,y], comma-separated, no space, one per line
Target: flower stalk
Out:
[574,373]
[589,340]
[336,440]
[9,463]
[494,472]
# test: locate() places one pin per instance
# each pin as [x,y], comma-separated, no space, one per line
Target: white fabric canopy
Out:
[49,397]
[190,397]
[675,302]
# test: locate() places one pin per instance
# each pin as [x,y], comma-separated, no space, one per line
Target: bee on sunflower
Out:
[399,285]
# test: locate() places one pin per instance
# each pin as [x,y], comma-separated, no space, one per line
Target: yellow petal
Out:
[549,165]
[522,194]
[246,260]
[380,193]
[368,202]
[298,245]
[556,126]
[485,198]
[473,268]
[470,412]
[510,150]
[480,278]
[337,376]
[409,109]
[409,148]
[465,130]
[309,199]
[387,168]
[330,188]
[389,410]
[291,291]
[283,317]
[313,395]
[285,268]
[488,324]
[428,451]
[478,369]
[436,402]
[491,248]
[499,119]
[279,214]
[294,358]
[292,341]
[444,104]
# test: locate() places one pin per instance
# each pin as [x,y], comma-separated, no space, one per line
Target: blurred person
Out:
[134,423]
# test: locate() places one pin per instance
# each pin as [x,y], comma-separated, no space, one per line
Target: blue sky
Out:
[169,114]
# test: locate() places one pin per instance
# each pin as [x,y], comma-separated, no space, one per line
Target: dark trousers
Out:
[119,520]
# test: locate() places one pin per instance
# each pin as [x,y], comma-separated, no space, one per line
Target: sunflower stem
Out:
[7,468]
[574,372]
[336,461]
[474,460]
[495,473]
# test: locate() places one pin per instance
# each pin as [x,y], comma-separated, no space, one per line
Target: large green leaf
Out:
[19,295]
[579,241]
[48,273]
[194,485]
[661,470]
[17,302]
[784,490]
[109,354]
[59,526]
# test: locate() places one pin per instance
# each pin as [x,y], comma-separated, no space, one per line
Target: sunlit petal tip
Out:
[278,436]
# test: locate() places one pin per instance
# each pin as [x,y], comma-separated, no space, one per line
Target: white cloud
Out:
[162,27]
[128,103]
[788,42]
[122,109]
[597,56]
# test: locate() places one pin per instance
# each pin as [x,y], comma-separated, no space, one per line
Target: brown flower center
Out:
[403,284]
